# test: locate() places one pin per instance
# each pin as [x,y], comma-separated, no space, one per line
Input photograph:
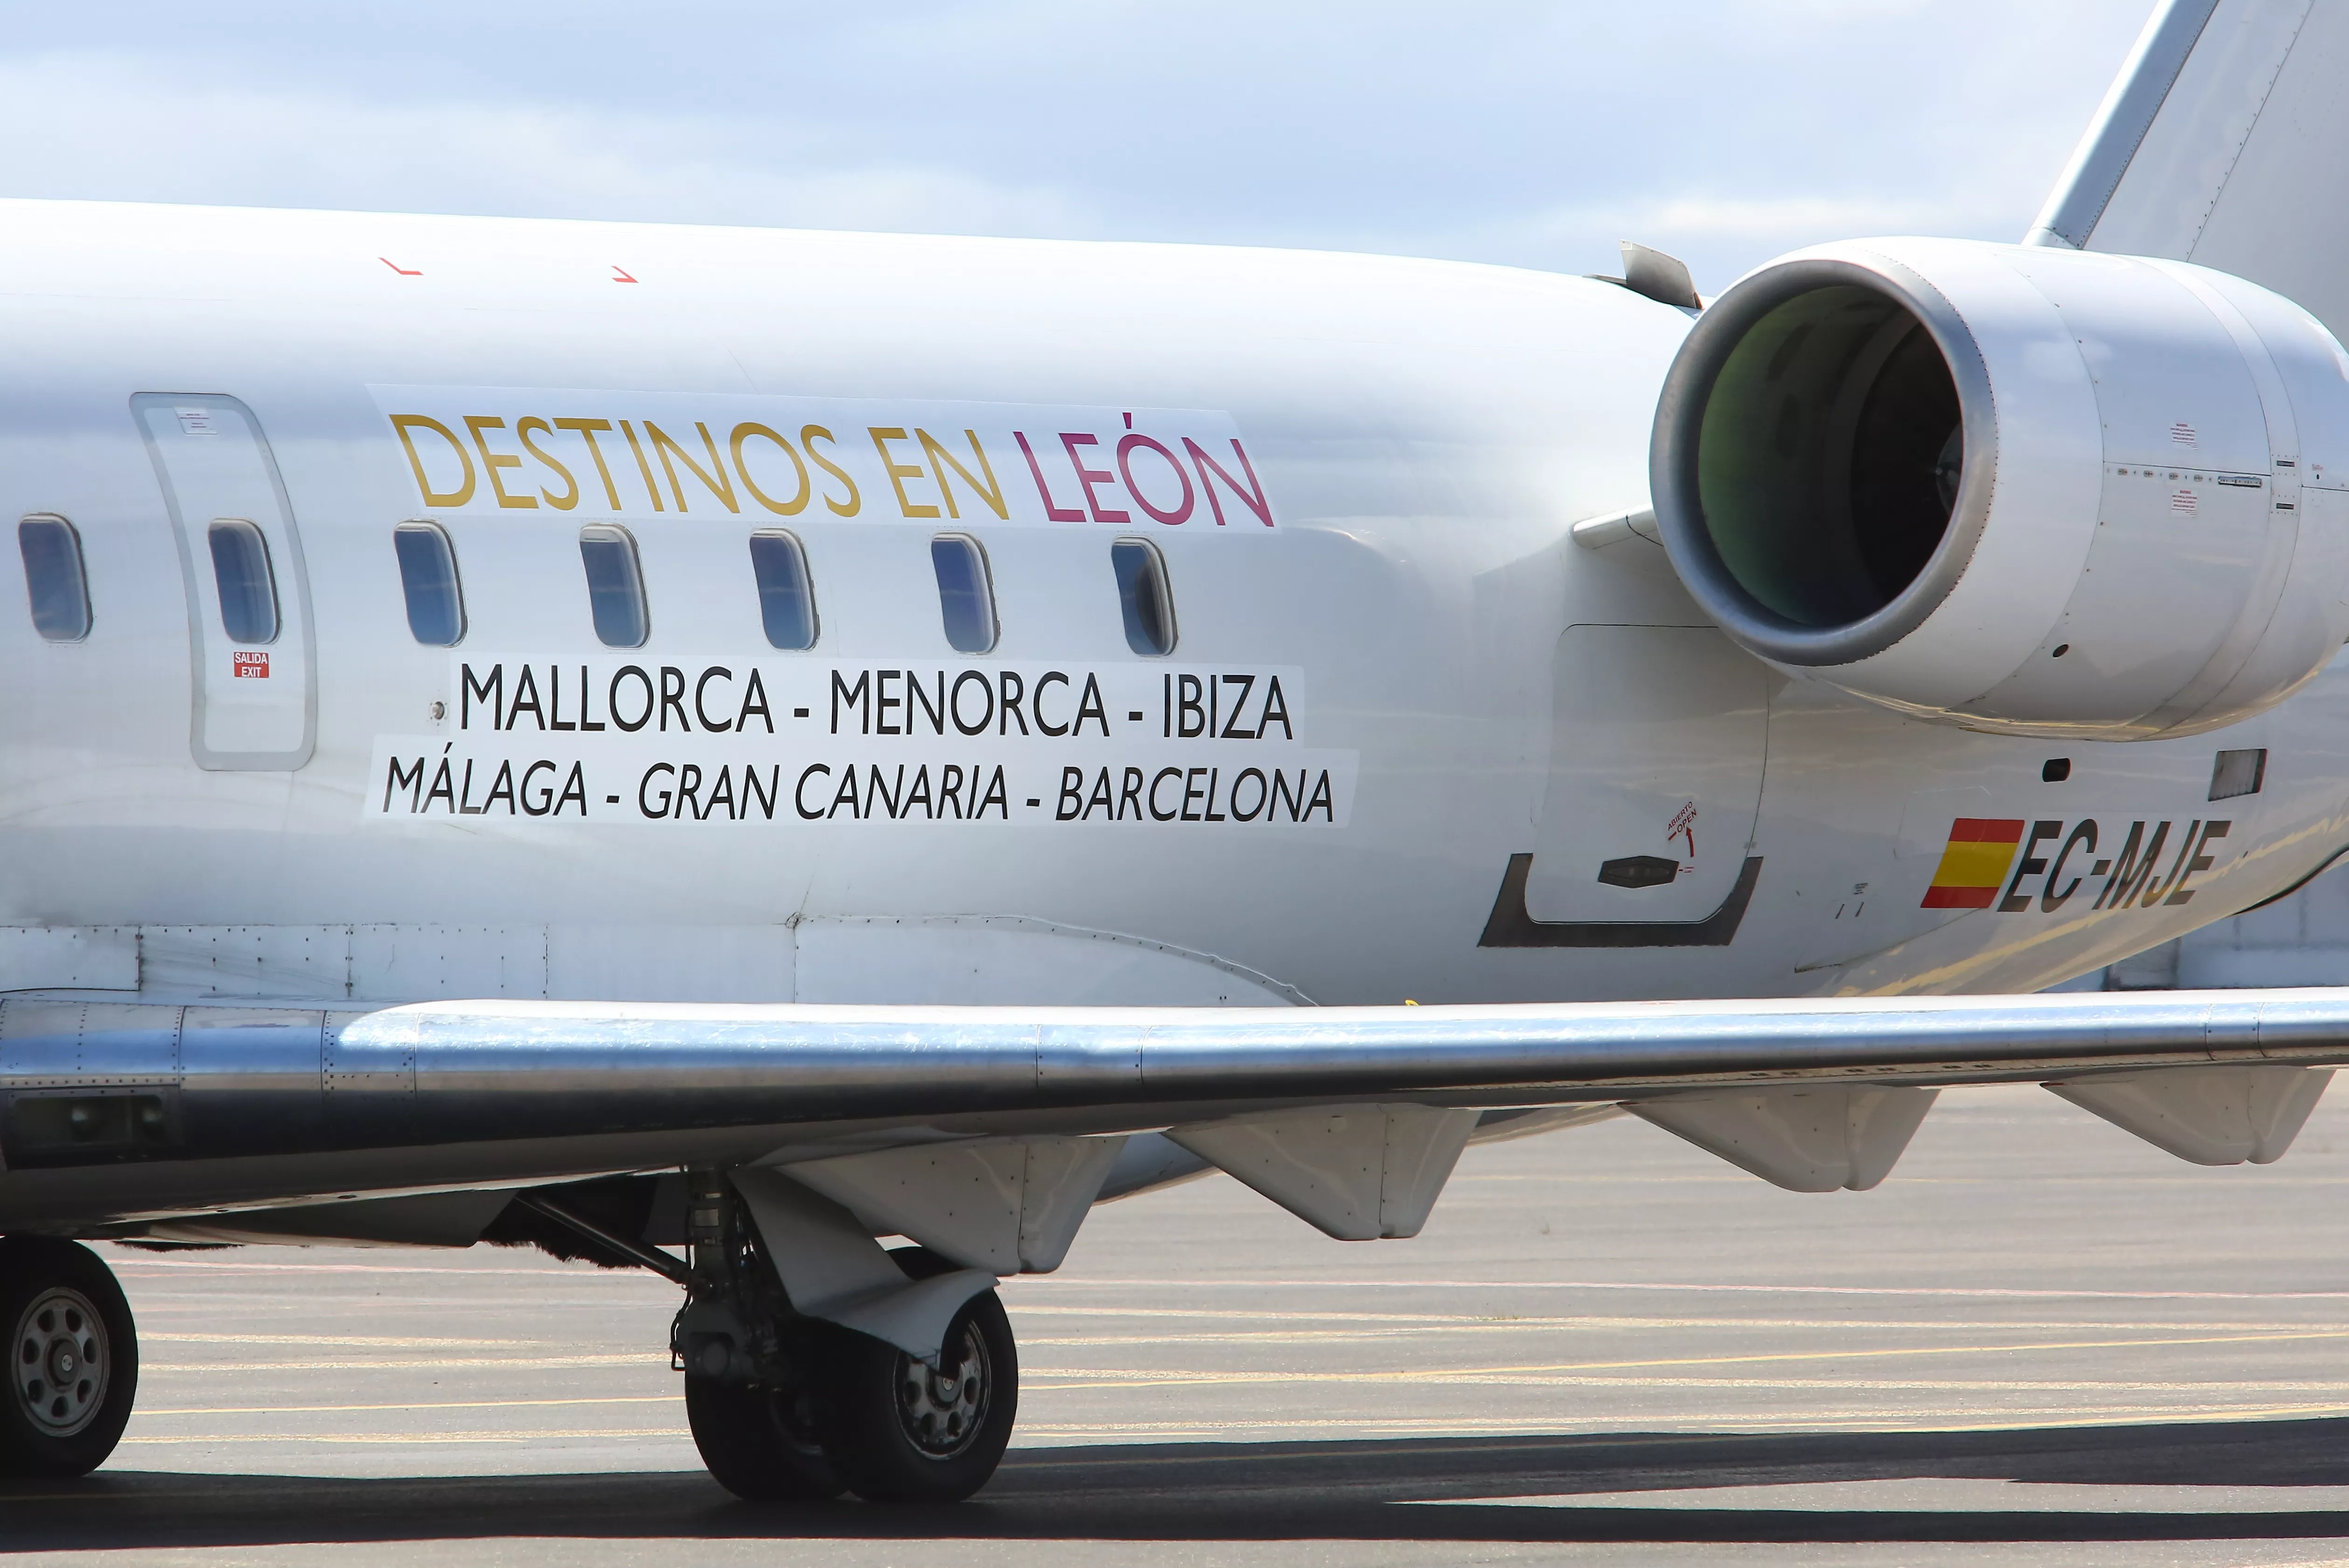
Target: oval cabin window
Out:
[786,599]
[241,572]
[1142,597]
[428,576]
[615,587]
[965,596]
[54,580]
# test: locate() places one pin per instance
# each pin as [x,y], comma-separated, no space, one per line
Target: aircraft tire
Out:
[73,1362]
[758,1443]
[902,1433]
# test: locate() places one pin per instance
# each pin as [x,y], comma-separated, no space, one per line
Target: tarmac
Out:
[2040,1341]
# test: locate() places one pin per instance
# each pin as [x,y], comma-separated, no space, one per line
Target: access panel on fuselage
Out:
[1656,755]
[248,606]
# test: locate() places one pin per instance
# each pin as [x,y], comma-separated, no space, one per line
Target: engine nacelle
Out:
[2037,492]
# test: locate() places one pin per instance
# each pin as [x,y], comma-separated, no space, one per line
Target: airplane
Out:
[626,739]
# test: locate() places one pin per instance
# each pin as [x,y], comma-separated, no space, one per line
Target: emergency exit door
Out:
[254,706]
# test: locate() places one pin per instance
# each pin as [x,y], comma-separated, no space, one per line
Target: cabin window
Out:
[966,597]
[1142,597]
[786,602]
[54,580]
[248,589]
[428,575]
[616,588]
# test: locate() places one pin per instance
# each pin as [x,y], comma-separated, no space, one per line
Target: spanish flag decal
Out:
[1973,866]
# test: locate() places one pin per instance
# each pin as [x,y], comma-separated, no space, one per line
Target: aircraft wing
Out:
[453,1071]
[791,1140]
[126,1112]
[2219,143]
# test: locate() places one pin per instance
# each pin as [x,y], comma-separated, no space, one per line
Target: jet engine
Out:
[2037,492]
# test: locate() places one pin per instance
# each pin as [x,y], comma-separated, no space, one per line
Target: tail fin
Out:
[2225,141]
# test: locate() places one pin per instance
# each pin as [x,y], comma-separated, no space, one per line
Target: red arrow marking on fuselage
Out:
[623,277]
[396,267]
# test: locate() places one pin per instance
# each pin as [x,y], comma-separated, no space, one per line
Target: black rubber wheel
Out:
[72,1355]
[901,1432]
[759,1444]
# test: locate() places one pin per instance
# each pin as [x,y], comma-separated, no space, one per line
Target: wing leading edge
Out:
[450,1071]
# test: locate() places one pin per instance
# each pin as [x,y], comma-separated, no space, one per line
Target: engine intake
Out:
[2038,491]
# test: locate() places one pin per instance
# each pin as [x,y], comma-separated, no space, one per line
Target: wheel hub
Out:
[61,1362]
[942,1407]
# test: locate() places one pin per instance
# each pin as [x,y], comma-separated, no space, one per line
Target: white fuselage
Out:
[1459,683]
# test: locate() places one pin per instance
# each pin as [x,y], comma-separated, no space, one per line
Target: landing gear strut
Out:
[72,1358]
[786,1408]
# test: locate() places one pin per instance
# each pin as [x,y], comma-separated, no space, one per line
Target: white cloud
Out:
[91,126]
[1835,10]
[1505,130]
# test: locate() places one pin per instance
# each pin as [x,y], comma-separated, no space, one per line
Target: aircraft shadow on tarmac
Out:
[1402,1489]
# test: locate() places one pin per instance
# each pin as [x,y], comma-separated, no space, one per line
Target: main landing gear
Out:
[73,1359]
[783,1407]
[791,1408]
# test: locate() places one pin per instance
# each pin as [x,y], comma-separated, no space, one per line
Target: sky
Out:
[1726,131]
